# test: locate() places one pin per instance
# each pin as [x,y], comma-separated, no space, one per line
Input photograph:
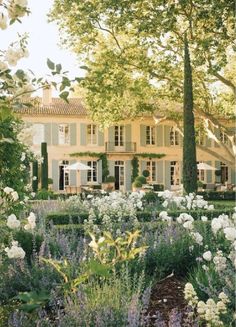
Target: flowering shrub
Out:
[189,202]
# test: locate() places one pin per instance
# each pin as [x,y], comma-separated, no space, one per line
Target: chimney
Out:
[47,96]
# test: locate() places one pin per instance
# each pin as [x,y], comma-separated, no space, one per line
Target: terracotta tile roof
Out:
[57,107]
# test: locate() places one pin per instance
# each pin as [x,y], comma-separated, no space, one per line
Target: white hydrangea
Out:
[31,222]
[230,233]
[12,222]
[204,218]
[207,255]
[188,225]
[15,196]
[15,252]
[220,261]
[8,190]
[198,238]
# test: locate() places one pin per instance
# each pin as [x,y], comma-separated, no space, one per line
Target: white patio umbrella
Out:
[205,166]
[78,166]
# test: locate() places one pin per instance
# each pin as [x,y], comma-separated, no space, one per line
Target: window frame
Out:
[65,138]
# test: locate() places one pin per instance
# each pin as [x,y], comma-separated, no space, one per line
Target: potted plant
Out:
[199,186]
[137,185]
[109,184]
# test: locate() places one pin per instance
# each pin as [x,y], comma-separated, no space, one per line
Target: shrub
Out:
[110,179]
[137,184]
[214,195]
[151,197]
[141,179]
[158,187]
[60,218]
[45,195]
[146,173]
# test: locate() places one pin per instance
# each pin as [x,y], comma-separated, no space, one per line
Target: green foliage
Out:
[29,242]
[189,145]
[44,166]
[214,195]
[146,173]
[32,300]
[99,155]
[150,155]
[35,175]
[45,195]
[137,184]
[61,218]
[135,168]
[14,172]
[110,179]
[141,179]
[158,187]
[105,170]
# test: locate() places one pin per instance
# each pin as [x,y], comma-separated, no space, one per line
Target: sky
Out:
[43,41]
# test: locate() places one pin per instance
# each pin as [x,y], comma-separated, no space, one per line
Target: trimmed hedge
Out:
[142,216]
[65,218]
[214,195]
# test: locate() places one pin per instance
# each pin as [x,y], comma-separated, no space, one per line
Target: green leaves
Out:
[50,64]
[32,300]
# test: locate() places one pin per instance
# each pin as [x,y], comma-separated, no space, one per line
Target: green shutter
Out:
[55,174]
[209,173]
[83,174]
[167,175]
[233,176]
[73,134]
[167,135]
[217,134]
[83,134]
[142,135]
[159,135]
[128,145]
[111,167]
[54,134]
[99,172]
[73,175]
[128,184]
[160,167]
[217,178]
[143,166]
[47,133]
[111,138]
[100,138]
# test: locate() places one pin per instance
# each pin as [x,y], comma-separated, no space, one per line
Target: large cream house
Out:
[67,129]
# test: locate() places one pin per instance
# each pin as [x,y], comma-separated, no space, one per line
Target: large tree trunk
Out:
[189,144]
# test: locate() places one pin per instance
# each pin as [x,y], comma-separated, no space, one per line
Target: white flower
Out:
[230,233]
[223,297]
[204,218]
[12,222]
[3,21]
[8,190]
[31,222]
[188,225]
[215,225]
[15,252]
[207,255]
[211,207]
[15,196]
[198,238]
[34,178]
[163,214]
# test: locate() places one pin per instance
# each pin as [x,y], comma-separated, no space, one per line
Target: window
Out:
[151,167]
[174,136]
[223,138]
[150,135]
[224,173]
[119,135]
[201,174]
[92,174]
[38,134]
[63,134]
[92,134]
[174,173]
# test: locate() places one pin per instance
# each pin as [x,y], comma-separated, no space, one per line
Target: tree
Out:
[44,166]
[189,145]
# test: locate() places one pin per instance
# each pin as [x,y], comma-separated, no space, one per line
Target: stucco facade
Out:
[68,131]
